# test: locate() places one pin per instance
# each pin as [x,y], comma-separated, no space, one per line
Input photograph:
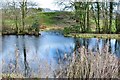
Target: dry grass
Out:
[86,64]
[83,64]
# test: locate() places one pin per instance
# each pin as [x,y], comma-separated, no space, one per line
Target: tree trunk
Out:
[24,10]
[16,23]
[94,16]
[110,15]
[118,19]
[88,16]
[15,17]
[98,16]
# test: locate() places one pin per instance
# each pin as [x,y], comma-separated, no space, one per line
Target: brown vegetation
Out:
[83,64]
[87,64]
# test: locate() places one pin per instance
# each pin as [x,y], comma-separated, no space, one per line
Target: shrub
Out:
[73,29]
[35,25]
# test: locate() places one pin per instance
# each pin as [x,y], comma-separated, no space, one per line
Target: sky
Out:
[42,3]
[47,4]
[51,3]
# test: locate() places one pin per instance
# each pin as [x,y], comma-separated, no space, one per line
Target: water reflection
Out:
[34,54]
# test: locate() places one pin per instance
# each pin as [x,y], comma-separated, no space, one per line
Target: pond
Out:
[41,54]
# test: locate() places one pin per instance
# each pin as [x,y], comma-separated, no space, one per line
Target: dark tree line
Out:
[106,15]
[98,9]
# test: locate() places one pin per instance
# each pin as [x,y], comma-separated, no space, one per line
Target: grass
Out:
[88,35]
[52,20]
[93,25]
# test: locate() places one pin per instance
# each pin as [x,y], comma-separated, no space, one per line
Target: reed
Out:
[82,64]
[86,64]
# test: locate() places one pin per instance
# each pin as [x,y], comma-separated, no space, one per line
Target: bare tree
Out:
[15,13]
[23,6]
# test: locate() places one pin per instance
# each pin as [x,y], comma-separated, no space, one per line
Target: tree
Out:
[10,12]
[102,11]
[96,8]
[23,6]
[110,15]
[25,9]
[88,19]
[15,13]
[118,18]
[105,17]
[98,17]
[82,15]
[65,4]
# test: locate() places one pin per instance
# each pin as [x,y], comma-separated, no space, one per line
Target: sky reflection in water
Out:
[47,48]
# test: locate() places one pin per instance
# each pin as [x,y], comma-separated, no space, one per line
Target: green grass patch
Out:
[104,36]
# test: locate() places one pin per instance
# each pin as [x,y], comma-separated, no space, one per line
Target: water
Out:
[41,54]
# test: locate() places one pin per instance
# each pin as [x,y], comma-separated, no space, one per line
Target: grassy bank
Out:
[21,33]
[45,20]
[87,35]
[57,21]
[60,19]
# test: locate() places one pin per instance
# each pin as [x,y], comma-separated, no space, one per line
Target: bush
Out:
[72,29]
[66,30]
[36,25]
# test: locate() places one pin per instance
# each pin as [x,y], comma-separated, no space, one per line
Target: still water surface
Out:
[43,52]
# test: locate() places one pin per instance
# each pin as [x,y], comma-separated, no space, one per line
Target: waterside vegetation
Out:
[82,64]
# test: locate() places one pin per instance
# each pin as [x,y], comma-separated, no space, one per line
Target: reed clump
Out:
[88,64]
[82,64]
